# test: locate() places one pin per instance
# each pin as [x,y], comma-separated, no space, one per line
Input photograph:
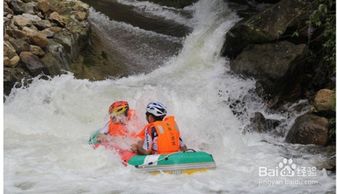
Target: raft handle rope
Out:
[150,163]
[192,150]
[165,158]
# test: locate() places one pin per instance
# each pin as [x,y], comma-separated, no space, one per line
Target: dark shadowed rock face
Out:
[264,27]
[276,66]
[260,124]
[309,129]
[268,60]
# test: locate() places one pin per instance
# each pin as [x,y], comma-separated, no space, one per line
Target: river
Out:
[47,125]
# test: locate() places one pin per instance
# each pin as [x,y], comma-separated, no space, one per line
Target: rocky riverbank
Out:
[288,47]
[42,37]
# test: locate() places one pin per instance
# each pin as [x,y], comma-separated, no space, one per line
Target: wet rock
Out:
[42,24]
[36,50]
[19,45]
[36,37]
[268,60]
[29,7]
[274,65]
[21,21]
[56,29]
[80,6]
[16,6]
[309,129]
[16,33]
[40,39]
[48,33]
[13,76]
[43,5]
[7,10]
[264,27]
[81,15]
[32,63]
[59,53]
[325,100]
[52,64]
[60,20]
[14,61]
[9,50]
[6,61]
[33,18]
[260,124]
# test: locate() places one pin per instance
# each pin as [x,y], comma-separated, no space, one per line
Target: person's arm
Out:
[144,147]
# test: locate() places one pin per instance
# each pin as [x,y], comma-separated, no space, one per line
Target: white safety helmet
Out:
[156,108]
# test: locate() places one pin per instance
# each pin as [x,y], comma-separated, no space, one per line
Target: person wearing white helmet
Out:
[162,134]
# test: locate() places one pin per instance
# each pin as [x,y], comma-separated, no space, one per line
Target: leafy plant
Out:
[324,18]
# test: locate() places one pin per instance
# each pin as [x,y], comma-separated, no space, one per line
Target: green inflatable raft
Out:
[175,163]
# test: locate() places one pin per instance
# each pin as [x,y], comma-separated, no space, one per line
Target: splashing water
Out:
[47,126]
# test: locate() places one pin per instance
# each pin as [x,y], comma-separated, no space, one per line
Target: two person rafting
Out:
[160,136]
[157,147]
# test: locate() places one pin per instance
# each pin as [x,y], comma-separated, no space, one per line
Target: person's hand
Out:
[134,148]
[102,138]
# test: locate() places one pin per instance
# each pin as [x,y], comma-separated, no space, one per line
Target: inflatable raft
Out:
[175,163]
[187,162]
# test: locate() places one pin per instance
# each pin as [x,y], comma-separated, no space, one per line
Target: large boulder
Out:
[266,26]
[271,60]
[309,129]
[275,65]
[325,100]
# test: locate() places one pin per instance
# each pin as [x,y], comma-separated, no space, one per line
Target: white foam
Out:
[153,9]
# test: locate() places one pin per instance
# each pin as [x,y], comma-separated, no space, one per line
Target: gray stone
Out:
[19,45]
[48,33]
[266,26]
[272,60]
[42,24]
[21,21]
[56,17]
[52,64]
[309,129]
[260,124]
[36,50]
[31,17]
[29,7]
[17,6]
[32,63]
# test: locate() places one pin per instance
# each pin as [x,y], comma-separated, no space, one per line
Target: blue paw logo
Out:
[287,167]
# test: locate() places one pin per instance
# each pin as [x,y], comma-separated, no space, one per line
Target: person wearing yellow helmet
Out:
[120,115]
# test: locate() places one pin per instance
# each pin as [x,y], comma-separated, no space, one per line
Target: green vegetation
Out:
[324,18]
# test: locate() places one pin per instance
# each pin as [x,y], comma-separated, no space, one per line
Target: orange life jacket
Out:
[119,129]
[168,135]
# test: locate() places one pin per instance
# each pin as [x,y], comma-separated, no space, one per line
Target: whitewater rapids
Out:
[47,125]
